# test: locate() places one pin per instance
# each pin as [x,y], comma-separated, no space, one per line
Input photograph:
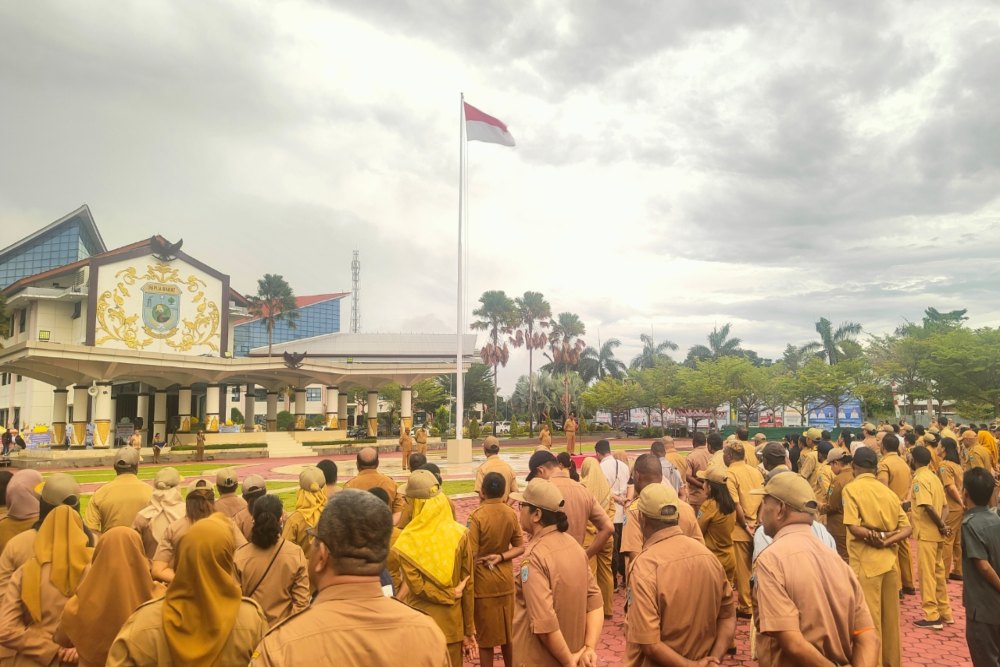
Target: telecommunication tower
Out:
[355,299]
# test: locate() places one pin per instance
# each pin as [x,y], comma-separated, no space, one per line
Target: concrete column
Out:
[342,410]
[249,407]
[212,408]
[60,399]
[272,410]
[159,415]
[103,435]
[184,409]
[372,413]
[142,412]
[114,417]
[405,409]
[333,416]
[300,409]
[80,399]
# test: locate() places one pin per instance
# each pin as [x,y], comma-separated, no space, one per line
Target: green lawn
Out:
[145,472]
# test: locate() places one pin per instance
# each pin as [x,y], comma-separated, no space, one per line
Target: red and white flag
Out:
[484,127]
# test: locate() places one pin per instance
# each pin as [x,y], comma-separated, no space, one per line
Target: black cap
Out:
[539,459]
[865,458]
[824,447]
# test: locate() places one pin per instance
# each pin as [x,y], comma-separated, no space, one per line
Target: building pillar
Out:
[372,413]
[80,397]
[60,398]
[212,408]
[300,409]
[332,404]
[249,407]
[405,409]
[272,410]
[142,413]
[103,435]
[159,415]
[184,410]
[342,410]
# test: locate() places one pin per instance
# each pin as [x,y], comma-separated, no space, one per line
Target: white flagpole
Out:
[459,377]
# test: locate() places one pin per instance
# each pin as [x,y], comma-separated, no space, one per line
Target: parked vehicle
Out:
[631,428]
[358,432]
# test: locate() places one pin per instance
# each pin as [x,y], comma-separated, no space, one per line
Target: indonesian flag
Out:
[483,127]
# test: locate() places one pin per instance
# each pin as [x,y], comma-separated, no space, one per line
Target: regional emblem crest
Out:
[161,309]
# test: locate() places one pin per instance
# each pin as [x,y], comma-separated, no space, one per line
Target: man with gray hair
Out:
[351,622]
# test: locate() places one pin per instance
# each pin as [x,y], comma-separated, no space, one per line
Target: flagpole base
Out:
[460,451]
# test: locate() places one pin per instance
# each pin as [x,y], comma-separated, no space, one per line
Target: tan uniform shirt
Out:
[802,585]
[166,550]
[277,578]
[19,550]
[454,617]
[835,503]
[750,454]
[9,527]
[824,479]
[555,591]
[141,641]
[979,457]
[673,573]
[871,504]
[679,461]
[950,473]
[371,629]
[369,479]
[927,492]
[741,480]
[244,522]
[632,531]
[493,529]
[421,441]
[894,473]
[581,507]
[809,466]
[230,504]
[117,502]
[495,464]
[697,460]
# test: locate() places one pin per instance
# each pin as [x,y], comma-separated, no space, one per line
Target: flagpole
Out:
[459,375]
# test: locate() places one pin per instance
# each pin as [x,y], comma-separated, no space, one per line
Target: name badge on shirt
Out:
[524,573]
[916,488]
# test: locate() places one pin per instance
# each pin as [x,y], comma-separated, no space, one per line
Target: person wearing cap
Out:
[839,461]
[369,476]
[696,461]
[493,463]
[421,438]
[436,564]
[558,611]
[717,519]
[119,501]
[310,499]
[808,459]
[405,446]
[930,531]
[23,491]
[741,479]
[254,487]
[896,474]
[674,572]
[951,475]
[228,502]
[876,523]
[774,459]
[495,540]
[165,506]
[352,545]
[569,427]
[869,430]
[809,607]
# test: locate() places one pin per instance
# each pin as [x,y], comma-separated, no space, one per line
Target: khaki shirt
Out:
[370,629]
[276,578]
[632,531]
[824,478]
[750,454]
[835,503]
[244,522]
[230,504]
[894,473]
[677,592]
[19,550]
[495,464]
[809,466]
[166,550]
[142,642]
[117,502]
[369,479]
[951,474]
[979,457]
[718,531]
[581,506]
[871,504]
[555,590]
[454,617]
[801,585]
[679,461]
[928,491]
[493,529]
[741,480]
[697,460]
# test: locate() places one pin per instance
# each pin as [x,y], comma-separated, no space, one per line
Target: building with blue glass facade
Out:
[67,240]
[318,315]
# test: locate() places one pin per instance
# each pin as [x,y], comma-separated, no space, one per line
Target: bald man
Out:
[369,477]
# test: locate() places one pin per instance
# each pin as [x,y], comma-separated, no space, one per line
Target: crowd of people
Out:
[809,539]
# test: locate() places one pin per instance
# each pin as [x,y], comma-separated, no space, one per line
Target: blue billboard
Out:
[822,415]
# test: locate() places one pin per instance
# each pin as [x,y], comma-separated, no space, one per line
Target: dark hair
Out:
[417,460]
[566,461]
[698,439]
[824,435]
[494,485]
[227,489]
[803,441]
[381,494]
[329,469]
[5,476]
[602,447]
[737,453]
[266,522]
[551,518]
[719,492]
[919,429]
[658,448]
[714,441]
[199,505]
[355,527]
[979,484]
[742,433]
[921,455]
[951,450]
[890,442]
[847,437]
[647,464]
[433,467]
[942,420]
[910,438]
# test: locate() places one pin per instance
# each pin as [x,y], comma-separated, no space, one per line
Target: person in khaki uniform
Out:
[741,480]
[254,488]
[495,539]
[717,519]
[436,563]
[544,438]
[368,476]
[228,502]
[558,611]
[808,605]
[271,569]
[592,478]
[696,461]
[678,460]
[674,572]
[894,472]
[22,505]
[875,523]
[351,547]
[203,619]
[165,506]
[809,459]
[119,501]
[951,474]
[493,463]
[421,441]
[570,426]
[979,456]
[839,461]
[742,436]
[405,446]
[310,499]
[930,530]
[823,480]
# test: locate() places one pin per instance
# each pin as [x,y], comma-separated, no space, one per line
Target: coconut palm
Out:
[535,315]
[566,346]
[719,345]
[831,343]
[652,352]
[600,363]
[497,317]
[273,303]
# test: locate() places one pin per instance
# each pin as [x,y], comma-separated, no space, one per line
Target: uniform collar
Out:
[888,454]
[661,535]
[792,529]
[492,501]
[363,589]
[561,473]
[863,475]
[543,532]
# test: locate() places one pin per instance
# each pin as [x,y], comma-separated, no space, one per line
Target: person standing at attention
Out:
[930,530]
[570,426]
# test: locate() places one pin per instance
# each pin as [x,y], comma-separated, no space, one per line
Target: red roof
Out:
[301,302]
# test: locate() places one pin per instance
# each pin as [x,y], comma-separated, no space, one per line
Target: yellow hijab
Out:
[987,440]
[430,540]
[200,607]
[61,544]
[310,505]
[592,477]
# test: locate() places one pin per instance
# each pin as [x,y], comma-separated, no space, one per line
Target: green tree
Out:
[834,344]
[601,363]
[497,317]
[478,385]
[659,387]
[273,303]
[428,396]
[652,352]
[719,345]
[610,394]
[935,320]
[534,315]
[832,384]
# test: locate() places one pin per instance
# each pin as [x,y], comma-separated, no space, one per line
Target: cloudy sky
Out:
[679,164]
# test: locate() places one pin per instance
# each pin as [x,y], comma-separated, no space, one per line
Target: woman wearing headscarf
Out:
[989,441]
[309,503]
[544,438]
[22,504]
[165,507]
[203,619]
[5,476]
[270,569]
[116,584]
[592,477]
[436,565]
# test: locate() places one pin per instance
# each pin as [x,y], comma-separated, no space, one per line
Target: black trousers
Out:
[984,643]
[617,560]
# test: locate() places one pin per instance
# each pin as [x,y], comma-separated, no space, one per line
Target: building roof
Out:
[81,214]
[302,302]
[376,346]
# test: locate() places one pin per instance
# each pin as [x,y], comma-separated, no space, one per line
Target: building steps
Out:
[281,445]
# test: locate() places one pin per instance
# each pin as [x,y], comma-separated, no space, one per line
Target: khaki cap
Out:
[422,485]
[126,457]
[167,478]
[813,433]
[773,451]
[735,445]
[492,444]
[659,501]
[759,437]
[888,428]
[792,490]
[934,429]
[541,493]
[713,474]
[931,438]
[201,486]
[253,483]
[226,477]
[837,454]
[868,426]
[60,488]
[311,479]
[731,437]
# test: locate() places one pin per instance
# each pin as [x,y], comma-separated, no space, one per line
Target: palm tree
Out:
[600,363]
[535,314]
[652,352]
[830,345]
[273,303]
[566,346]
[498,317]
[719,345]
